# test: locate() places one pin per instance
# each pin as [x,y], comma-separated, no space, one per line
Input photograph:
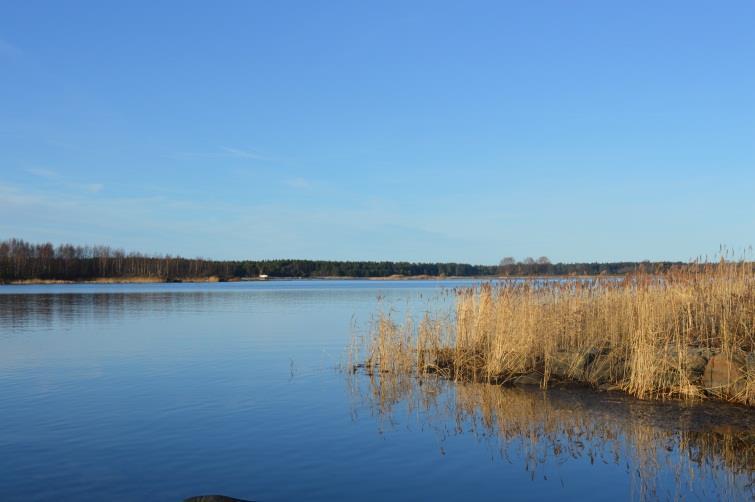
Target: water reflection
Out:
[32,307]
[160,392]
[30,311]
[670,450]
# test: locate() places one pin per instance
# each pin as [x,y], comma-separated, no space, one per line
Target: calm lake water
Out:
[166,391]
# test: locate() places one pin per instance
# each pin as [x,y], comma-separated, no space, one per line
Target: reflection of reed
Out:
[700,447]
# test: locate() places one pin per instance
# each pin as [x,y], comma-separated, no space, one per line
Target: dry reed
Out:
[652,336]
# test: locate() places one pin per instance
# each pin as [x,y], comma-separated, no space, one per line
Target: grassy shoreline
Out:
[689,334]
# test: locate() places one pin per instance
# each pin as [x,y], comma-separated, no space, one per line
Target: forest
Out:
[24,261]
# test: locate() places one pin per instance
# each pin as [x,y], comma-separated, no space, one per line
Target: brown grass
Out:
[648,335]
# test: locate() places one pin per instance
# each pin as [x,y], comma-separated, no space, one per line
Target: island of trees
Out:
[24,261]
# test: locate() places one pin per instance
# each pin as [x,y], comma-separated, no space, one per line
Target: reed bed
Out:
[687,333]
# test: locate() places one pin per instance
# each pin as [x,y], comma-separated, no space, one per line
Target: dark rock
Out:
[724,377]
[704,352]
[568,365]
[608,387]
[602,369]
[529,379]
[696,363]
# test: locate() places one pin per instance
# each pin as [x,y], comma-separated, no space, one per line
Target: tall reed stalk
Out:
[653,336]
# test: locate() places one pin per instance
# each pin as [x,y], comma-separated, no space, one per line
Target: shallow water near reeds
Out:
[166,391]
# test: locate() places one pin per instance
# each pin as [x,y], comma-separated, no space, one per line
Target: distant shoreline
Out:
[22,262]
[200,280]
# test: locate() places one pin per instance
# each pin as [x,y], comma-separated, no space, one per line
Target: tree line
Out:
[21,260]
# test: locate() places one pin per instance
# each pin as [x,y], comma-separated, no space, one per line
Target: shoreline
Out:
[215,279]
[113,280]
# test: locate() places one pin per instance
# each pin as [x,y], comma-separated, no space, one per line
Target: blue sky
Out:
[449,131]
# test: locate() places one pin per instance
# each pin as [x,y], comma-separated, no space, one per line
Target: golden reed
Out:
[687,333]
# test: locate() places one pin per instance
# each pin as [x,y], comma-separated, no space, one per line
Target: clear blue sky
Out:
[452,131]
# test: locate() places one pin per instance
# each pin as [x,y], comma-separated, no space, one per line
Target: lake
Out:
[167,391]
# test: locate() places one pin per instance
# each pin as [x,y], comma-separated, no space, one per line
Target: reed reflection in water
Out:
[670,450]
